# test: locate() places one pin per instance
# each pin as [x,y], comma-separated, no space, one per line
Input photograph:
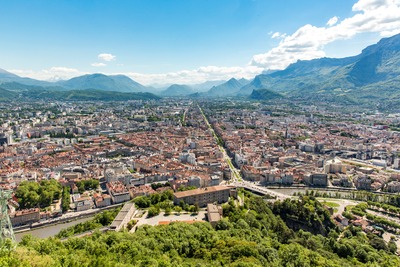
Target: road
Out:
[236,176]
[184,117]
[261,189]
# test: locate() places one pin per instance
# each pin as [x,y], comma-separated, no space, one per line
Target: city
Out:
[105,154]
[228,133]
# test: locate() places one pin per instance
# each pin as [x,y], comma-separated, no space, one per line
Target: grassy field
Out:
[331,204]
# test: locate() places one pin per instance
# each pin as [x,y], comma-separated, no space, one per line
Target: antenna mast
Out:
[6,229]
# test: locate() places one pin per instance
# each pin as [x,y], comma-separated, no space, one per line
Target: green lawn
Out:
[330,204]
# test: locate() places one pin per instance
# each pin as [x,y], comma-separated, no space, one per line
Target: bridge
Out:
[260,190]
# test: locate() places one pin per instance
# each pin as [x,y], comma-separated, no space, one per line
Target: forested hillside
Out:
[251,235]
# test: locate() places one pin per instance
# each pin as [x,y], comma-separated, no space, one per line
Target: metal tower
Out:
[6,230]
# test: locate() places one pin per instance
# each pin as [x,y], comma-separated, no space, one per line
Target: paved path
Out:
[173,217]
[343,203]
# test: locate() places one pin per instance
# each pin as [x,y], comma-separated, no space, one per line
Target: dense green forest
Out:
[249,235]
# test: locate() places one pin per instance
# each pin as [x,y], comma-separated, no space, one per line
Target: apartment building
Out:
[203,196]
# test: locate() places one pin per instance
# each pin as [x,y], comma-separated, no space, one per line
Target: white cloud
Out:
[369,4]
[373,16]
[307,42]
[332,21]
[389,33]
[106,57]
[98,64]
[198,75]
[278,35]
[53,73]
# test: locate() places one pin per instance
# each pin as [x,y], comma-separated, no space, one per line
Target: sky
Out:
[184,41]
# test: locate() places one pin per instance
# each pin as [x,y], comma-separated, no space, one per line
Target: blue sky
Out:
[182,41]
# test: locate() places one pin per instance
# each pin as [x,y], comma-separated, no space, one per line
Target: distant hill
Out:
[264,94]
[204,87]
[118,83]
[177,90]
[14,86]
[373,74]
[129,83]
[89,95]
[243,81]
[8,77]
[229,88]
[5,74]
[73,95]
[6,95]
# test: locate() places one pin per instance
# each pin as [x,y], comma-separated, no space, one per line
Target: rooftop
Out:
[200,191]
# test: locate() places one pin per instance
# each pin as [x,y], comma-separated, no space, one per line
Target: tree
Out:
[65,199]
[33,194]
[236,241]
[392,246]
[142,202]
[194,208]
[168,211]
[131,224]
[223,224]
[87,185]
[153,211]
[155,198]
[167,195]
[178,209]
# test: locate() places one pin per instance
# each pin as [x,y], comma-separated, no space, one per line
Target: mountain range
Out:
[374,74]
[118,83]
[177,90]
[229,88]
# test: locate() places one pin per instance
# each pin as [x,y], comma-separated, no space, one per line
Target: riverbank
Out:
[50,230]
[65,218]
[54,226]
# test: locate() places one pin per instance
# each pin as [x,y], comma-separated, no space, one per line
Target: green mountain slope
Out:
[264,94]
[118,83]
[6,95]
[8,77]
[253,235]
[72,95]
[205,86]
[87,95]
[177,90]
[126,82]
[229,88]
[372,74]
[14,86]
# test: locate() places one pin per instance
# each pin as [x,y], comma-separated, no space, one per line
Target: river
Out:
[50,230]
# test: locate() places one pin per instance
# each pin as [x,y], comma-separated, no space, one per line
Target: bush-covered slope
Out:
[251,235]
